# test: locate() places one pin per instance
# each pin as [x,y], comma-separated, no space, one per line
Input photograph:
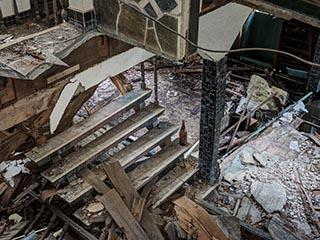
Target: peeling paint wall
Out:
[95,75]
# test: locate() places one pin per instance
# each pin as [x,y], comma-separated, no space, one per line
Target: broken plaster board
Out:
[219,29]
[93,76]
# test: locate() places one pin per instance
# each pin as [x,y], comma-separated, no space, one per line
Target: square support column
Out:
[212,112]
[314,75]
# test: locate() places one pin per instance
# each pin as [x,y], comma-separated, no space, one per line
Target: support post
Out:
[155,75]
[314,75]
[2,26]
[212,112]
[16,11]
[55,12]
[46,10]
[36,10]
[143,76]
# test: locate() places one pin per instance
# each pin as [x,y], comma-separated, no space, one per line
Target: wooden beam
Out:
[280,11]
[122,183]
[122,216]
[115,206]
[73,107]
[27,107]
[63,74]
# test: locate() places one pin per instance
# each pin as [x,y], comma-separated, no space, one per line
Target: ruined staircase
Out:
[87,144]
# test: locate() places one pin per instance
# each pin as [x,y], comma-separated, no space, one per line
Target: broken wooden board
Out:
[78,188]
[83,129]
[196,220]
[80,158]
[122,216]
[27,107]
[279,230]
[137,208]
[171,182]
[117,171]
[122,183]
[147,170]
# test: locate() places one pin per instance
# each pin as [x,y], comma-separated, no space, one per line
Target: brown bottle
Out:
[183,136]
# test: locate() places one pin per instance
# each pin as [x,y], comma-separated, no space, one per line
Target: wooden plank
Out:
[122,183]
[19,40]
[172,184]
[115,206]
[27,107]
[3,187]
[85,128]
[198,216]
[119,83]
[147,170]
[73,107]
[78,159]
[7,92]
[131,153]
[138,207]
[122,216]
[63,74]
[8,146]
[94,181]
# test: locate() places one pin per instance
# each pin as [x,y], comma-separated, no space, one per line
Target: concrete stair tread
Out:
[41,154]
[79,187]
[83,156]
[173,181]
[150,168]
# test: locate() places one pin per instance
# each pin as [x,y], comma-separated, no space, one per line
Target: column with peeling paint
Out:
[212,111]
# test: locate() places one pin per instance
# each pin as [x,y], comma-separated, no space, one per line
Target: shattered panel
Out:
[121,21]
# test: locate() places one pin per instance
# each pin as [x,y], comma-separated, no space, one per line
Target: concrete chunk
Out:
[271,196]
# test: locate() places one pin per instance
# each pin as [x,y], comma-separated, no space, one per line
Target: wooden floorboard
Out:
[40,155]
[79,188]
[80,158]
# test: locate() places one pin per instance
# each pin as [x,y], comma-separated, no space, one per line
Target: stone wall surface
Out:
[121,21]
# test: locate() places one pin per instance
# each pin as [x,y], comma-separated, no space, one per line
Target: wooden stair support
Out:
[73,192]
[40,155]
[80,158]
